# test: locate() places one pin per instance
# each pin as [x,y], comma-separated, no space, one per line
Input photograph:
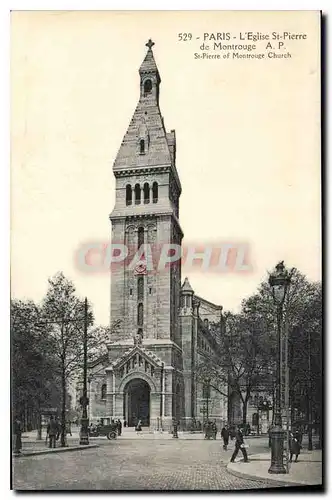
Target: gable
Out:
[136,354]
[97,367]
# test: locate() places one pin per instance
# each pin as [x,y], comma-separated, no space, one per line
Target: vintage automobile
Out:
[108,430]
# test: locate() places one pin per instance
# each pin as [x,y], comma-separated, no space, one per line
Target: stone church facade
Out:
[159,327]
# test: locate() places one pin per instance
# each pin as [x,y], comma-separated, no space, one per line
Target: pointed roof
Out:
[149,64]
[186,287]
[148,124]
[148,355]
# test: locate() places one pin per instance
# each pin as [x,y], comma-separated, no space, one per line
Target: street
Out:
[137,464]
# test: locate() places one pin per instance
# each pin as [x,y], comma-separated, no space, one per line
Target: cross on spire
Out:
[149,44]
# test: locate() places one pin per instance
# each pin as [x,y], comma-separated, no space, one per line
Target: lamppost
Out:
[89,382]
[279,281]
[84,434]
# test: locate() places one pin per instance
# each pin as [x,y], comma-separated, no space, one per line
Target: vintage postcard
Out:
[166,296]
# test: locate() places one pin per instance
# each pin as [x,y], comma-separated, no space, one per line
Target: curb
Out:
[277,482]
[57,450]
[272,478]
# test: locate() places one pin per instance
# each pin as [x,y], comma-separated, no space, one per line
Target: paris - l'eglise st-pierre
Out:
[160,328]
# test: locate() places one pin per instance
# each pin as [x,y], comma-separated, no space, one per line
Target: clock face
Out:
[140,268]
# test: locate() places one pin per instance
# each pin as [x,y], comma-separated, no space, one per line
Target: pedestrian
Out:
[225,437]
[52,432]
[214,429]
[138,427]
[294,445]
[58,428]
[119,426]
[300,435]
[17,431]
[239,445]
[125,423]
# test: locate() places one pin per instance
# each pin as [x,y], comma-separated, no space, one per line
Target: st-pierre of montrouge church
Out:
[160,329]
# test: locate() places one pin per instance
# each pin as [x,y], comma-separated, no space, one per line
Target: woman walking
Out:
[139,427]
[225,437]
[294,446]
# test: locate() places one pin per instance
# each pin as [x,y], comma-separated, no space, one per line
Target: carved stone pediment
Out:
[136,359]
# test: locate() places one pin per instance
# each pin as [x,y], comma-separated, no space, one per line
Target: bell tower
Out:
[146,346]
[145,303]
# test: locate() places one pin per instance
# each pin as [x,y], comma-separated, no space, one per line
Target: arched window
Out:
[206,323]
[146,191]
[155,192]
[140,288]
[129,195]
[137,194]
[147,87]
[140,314]
[103,391]
[140,237]
[142,146]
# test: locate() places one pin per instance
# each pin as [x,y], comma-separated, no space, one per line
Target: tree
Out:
[248,346]
[63,316]
[33,366]
[305,346]
[98,339]
[243,356]
[246,353]
[302,315]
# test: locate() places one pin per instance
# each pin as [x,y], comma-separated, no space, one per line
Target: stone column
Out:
[110,393]
[168,407]
[196,304]
[154,409]
[118,406]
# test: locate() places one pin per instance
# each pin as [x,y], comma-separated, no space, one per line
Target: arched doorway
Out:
[137,402]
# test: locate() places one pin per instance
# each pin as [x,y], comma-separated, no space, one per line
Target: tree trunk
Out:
[292,406]
[309,417]
[25,416]
[244,410]
[39,425]
[63,409]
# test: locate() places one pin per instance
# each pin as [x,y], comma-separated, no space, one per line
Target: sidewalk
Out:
[307,471]
[32,450]
[32,446]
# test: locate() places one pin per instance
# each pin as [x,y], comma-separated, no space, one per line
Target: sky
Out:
[248,142]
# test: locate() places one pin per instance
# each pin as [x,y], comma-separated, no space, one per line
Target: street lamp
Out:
[84,434]
[279,281]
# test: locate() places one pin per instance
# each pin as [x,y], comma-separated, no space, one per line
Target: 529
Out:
[184,37]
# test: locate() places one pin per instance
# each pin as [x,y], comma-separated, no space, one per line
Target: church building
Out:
[159,327]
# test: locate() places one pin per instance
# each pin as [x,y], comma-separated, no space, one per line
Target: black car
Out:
[109,430]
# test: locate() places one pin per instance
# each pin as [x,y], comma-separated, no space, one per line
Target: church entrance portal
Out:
[137,402]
